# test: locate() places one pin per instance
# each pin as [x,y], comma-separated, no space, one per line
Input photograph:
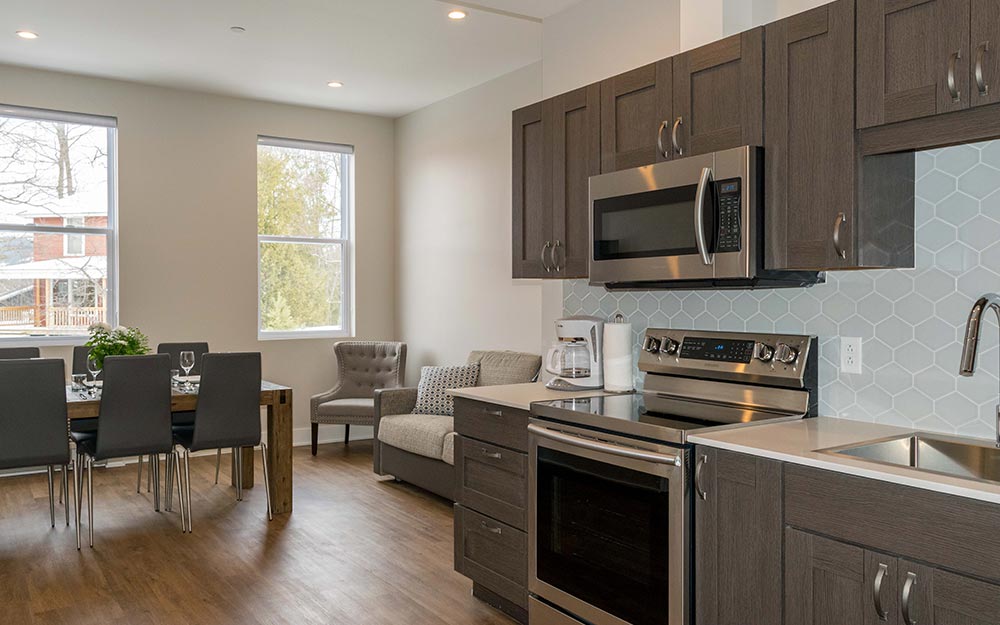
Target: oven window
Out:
[647,224]
[603,535]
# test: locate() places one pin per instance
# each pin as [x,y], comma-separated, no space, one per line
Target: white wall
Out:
[453,187]
[188,215]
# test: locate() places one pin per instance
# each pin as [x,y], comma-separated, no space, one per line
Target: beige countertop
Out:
[798,442]
[519,395]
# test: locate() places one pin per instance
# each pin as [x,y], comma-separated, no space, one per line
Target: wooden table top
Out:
[82,407]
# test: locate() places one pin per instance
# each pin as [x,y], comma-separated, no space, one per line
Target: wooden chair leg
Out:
[315,437]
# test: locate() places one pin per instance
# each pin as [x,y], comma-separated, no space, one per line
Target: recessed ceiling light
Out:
[237,29]
[336,84]
[457,15]
[26,34]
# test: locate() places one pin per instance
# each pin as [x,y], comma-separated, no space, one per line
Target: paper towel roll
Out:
[618,357]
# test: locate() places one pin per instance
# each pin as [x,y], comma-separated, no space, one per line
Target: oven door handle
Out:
[699,215]
[608,448]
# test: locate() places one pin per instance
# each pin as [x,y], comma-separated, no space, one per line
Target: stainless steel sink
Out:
[934,453]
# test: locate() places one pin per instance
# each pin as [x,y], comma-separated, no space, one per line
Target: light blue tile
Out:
[773,307]
[980,181]
[957,160]
[718,305]
[956,258]
[979,233]
[935,186]
[977,281]
[913,404]
[875,354]
[914,357]
[990,153]
[894,283]
[955,408]
[913,308]
[935,333]
[957,208]
[936,234]
[893,378]
[804,306]
[923,164]
[934,381]
[874,308]
[934,284]
[858,326]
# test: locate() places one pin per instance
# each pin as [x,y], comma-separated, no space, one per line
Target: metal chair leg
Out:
[218,463]
[61,480]
[149,474]
[64,491]
[187,486]
[52,497]
[77,494]
[154,463]
[174,462]
[138,481]
[168,491]
[267,479]
[90,497]
[239,473]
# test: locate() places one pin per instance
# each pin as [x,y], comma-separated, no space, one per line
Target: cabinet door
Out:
[824,581]
[913,59]
[737,539]
[532,192]
[934,597]
[810,150]
[635,117]
[719,94]
[576,156]
[985,57]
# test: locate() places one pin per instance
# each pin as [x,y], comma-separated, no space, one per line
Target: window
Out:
[57,224]
[304,206]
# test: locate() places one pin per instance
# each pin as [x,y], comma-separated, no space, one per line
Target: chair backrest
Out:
[12,353]
[81,353]
[175,349]
[228,412]
[506,367]
[364,366]
[33,413]
[135,407]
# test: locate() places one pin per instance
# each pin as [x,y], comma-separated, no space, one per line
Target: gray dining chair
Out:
[33,421]
[227,415]
[134,420]
[81,353]
[11,353]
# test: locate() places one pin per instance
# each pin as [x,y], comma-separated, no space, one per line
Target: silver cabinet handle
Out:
[496,455]
[659,138]
[981,51]
[555,260]
[956,95]
[545,265]
[911,580]
[608,448]
[702,461]
[493,413]
[492,530]
[883,568]
[838,225]
[673,136]
[699,215]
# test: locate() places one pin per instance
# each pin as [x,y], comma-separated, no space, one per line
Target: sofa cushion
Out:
[421,434]
[448,453]
[432,395]
[353,407]
[505,367]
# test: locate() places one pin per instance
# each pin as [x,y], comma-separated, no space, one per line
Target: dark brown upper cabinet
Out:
[718,95]
[985,58]
[636,113]
[913,59]
[738,528]
[556,148]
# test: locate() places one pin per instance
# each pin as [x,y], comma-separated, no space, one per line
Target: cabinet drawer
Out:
[492,554]
[492,480]
[492,423]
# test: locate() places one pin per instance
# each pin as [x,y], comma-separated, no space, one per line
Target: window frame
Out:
[110,232]
[70,236]
[346,242]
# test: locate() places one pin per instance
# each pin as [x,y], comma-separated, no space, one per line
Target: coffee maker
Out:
[575,359]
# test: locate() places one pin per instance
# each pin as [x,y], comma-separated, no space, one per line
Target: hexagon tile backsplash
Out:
[911,320]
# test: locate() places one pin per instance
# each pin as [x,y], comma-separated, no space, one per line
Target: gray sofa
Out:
[420,449]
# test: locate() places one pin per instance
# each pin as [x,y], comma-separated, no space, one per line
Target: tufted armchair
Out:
[362,368]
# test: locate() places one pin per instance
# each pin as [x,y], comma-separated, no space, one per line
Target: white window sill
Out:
[43,341]
[292,335]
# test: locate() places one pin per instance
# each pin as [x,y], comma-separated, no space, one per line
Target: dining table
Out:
[83,404]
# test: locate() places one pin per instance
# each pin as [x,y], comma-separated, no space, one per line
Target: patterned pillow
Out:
[434,381]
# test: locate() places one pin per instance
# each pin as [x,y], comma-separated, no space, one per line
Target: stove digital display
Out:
[722,350]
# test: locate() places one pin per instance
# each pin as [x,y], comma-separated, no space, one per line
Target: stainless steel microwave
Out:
[689,223]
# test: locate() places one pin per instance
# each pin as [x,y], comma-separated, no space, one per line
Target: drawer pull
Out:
[981,51]
[883,568]
[911,580]
[493,413]
[486,453]
[492,530]
[956,95]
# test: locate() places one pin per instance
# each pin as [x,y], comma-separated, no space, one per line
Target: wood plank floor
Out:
[357,550]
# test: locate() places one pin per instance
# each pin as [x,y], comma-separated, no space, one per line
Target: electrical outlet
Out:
[850,354]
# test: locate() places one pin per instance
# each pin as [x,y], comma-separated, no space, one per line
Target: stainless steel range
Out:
[611,482]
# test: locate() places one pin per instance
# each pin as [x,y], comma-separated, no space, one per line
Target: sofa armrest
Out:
[390,401]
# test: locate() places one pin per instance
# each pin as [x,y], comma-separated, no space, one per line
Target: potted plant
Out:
[120,341]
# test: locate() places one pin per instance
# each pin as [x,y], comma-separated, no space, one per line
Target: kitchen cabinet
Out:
[985,54]
[556,148]
[636,116]
[738,529]
[824,581]
[718,95]
[913,59]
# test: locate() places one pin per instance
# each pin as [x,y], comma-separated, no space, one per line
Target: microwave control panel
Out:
[730,210]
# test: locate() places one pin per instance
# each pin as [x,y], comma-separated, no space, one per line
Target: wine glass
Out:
[94,367]
[187,363]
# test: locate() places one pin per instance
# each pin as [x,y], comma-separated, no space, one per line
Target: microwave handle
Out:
[699,215]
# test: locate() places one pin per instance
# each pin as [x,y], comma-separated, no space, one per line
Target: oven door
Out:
[608,526]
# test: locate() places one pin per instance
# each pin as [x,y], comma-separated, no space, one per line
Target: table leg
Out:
[279,451]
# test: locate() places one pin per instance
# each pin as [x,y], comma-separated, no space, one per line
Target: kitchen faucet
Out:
[970,347]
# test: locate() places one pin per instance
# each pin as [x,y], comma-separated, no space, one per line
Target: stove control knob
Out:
[763,352]
[786,353]
[651,344]
[669,345]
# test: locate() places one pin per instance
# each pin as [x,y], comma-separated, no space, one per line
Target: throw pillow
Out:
[432,397]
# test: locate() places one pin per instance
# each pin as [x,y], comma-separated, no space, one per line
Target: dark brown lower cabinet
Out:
[737,539]
[824,581]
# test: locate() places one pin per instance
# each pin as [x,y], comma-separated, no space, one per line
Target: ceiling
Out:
[393,56]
